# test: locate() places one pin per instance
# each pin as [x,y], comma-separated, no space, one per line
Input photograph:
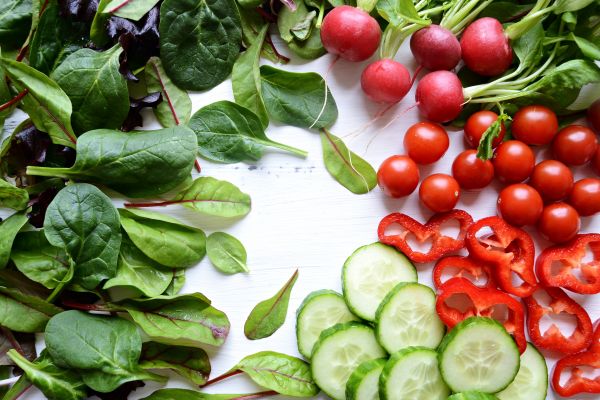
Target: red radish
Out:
[435,48]
[385,81]
[485,47]
[440,96]
[350,33]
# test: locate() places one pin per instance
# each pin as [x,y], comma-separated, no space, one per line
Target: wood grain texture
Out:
[303,219]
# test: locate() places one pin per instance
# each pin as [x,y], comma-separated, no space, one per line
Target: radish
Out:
[350,33]
[435,48]
[485,47]
[440,96]
[386,81]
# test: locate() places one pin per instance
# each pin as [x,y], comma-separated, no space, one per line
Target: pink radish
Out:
[440,96]
[485,47]
[350,33]
[435,48]
[385,81]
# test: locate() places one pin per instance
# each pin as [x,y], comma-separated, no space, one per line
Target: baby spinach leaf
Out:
[288,19]
[284,374]
[302,30]
[164,239]
[183,320]
[230,133]
[288,22]
[245,79]
[186,394]
[12,196]
[137,164]
[351,171]
[15,19]
[105,349]
[54,382]
[252,24]
[269,315]
[22,312]
[176,107]
[298,99]
[137,271]
[311,48]
[199,41]
[130,9]
[226,253]
[38,260]
[96,88]
[8,231]
[176,283]
[191,363]
[47,105]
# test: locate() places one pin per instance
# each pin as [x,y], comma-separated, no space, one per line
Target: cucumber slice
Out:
[407,317]
[472,396]
[413,374]
[531,382]
[363,384]
[370,273]
[339,350]
[319,310]
[478,355]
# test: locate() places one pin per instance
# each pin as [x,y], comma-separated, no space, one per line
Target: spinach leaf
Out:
[199,41]
[288,22]
[22,312]
[140,273]
[252,23]
[164,239]
[245,79]
[230,133]
[137,164]
[8,231]
[563,6]
[130,9]
[284,374]
[47,105]
[186,394]
[351,171]
[269,315]
[176,107]
[38,260]
[189,362]
[226,253]
[9,340]
[302,30]
[96,88]
[177,282]
[298,99]
[54,382]
[183,320]
[12,196]
[105,349]
[15,20]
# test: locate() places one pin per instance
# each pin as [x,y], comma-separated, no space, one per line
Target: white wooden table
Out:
[301,218]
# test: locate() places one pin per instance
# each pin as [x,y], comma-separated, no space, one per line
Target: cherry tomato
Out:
[559,222]
[471,172]
[575,145]
[520,204]
[439,192]
[552,179]
[535,125]
[596,162]
[593,115]
[477,124]
[398,176]
[585,196]
[426,142]
[513,161]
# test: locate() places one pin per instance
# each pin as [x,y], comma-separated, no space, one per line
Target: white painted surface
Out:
[301,218]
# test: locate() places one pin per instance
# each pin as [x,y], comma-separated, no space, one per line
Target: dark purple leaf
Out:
[79,10]
[39,204]
[134,118]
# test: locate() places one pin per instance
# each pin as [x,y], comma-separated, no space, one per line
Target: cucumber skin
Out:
[352,309]
[472,396]
[531,346]
[358,375]
[464,324]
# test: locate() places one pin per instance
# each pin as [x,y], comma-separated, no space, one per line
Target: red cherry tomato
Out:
[535,125]
[520,204]
[575,145]
[398,176]
[585,196]
[439,192]
[552,179]
[593,115]
[596,162]
[476,126]
[471,172]
[559,222]
[426,142]
[513,161]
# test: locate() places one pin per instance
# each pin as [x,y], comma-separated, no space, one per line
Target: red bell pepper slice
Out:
[476,272]
[441,244]
[553,338]
[569,258]
[508,250]
[577,382]
[484,302]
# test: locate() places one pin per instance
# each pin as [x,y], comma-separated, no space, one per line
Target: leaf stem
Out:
[257,395]
[90,307]
[197,165]
[14,100]
[280,56]
[48,171]
[220,378]
[293,150]
[13,341]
